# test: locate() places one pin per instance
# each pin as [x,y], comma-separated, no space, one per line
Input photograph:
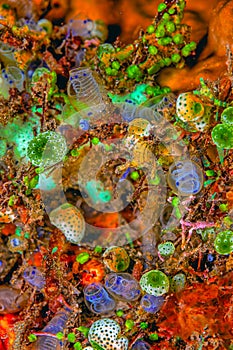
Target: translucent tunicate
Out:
[34,277]
[13,77]
[88,29]
[185,178]
[151,303]
[105,334]
[97,299]
[11,300]
[122,286]
[84,88]
[7,54]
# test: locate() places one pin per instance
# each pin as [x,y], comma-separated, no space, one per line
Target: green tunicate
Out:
[160,31]
[166,16]
[170,26]
[192,45]
[167,61]
[223,243]
[155,283]
[178,39]
[178,283]
[222,136]
[162,7]
[185,51]
[116,65]
[165,41]
[108,71]
[166,249]
[175,58]
[134,72]
[83,257]
[152,50]
[227,116]
[154,69]
[150,29]
[47,149]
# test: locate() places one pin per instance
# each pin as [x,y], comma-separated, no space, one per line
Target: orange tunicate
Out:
[92,271]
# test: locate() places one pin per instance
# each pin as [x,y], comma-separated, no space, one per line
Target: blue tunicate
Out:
[122,286]
[84,124]
[151,303]
[210,258]
[97,299]
[34,277]
[124,176]
[140,345]
[57,324]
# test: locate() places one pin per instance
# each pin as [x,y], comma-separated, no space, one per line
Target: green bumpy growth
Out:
[165,42]
[223,243]
[47,149]
[166,249]
[222,136]
[155,283]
